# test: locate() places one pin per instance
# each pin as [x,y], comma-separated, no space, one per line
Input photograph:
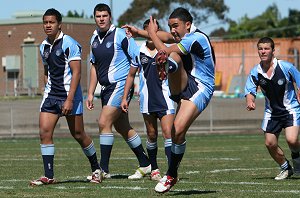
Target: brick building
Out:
[22,69]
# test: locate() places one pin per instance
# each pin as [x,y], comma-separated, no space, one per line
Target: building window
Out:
[12,75]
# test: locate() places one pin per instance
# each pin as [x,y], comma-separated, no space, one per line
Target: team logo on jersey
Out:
[46,55]
[95,45]
[280,81]
[144,60]
[108,44]
[58,52]
[262,82]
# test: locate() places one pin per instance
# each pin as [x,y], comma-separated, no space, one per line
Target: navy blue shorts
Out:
[275,125]
[160,114]
[54,106]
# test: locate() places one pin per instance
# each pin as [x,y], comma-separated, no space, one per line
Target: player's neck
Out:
[267,67]
[51,38]
[151,48]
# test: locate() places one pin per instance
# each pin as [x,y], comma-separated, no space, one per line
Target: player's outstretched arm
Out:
[133,31]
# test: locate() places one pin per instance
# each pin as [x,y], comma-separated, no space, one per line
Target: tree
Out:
[269,23]
[262,25]
[75,14]
[202,10]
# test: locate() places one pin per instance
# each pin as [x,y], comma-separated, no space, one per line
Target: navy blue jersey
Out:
[112,54]
[57,57]
[154,93]
[278,89]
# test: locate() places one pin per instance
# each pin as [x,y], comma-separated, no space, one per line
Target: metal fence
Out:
[20,118]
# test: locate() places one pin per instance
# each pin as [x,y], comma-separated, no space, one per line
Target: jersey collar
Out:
[261,71]
[46,41]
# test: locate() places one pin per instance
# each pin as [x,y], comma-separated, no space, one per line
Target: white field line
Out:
[122,187]
[238,169]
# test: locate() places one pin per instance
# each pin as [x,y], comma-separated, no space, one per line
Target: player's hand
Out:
[124,105]
[89,103]
[131,31]
[152,27]
[250,101]
[67,107]
[250,106]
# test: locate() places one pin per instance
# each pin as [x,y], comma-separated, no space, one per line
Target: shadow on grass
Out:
[72,181]
[119,176]
[116,176]
[192,192]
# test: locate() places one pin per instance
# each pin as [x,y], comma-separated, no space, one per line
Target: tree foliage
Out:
[75,14]
[201,10]
[269,23]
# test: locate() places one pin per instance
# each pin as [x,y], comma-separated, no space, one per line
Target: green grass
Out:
[213,166]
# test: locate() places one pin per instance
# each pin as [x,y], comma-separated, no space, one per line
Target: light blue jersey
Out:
[56,58]
[199,59]
[154,93]
[279,91]
[199,64]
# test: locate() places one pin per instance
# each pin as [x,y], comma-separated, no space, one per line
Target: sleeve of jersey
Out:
[186,43]
[251,83]
[92,57]
[42,54]
[133,48]
[295,75]
[135,61]
[72,48]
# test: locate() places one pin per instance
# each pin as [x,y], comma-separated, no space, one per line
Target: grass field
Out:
[213,166]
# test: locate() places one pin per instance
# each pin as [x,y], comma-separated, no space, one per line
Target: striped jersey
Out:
[279,91]
[198,58]
[56,57]
[154,93]
[112,54]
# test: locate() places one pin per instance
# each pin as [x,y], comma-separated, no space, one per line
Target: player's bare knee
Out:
[271,145]
[293,143]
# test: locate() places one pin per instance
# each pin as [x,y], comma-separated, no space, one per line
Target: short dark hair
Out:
[102,7]
[53,12]
[182,14]
[146,23]
[266,40]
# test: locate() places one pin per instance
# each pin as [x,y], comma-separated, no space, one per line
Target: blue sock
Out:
[106,144]
[177,152]
[152,153]
[47,151]
[136,146]
[90,152]
[168,145]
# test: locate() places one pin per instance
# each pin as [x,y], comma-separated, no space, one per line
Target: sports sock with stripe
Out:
[106,144]
[47,151]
